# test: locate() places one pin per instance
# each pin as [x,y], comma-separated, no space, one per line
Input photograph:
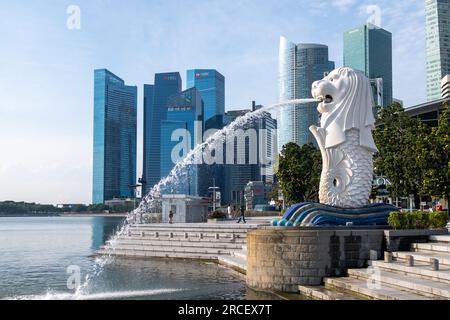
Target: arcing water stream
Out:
[151,202]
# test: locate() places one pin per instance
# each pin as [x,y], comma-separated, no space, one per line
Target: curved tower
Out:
[299,66]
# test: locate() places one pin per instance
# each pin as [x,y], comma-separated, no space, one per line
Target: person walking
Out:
[171,217]
[242,217]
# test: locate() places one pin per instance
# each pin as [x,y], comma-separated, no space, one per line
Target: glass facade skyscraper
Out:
[211,85]
[239,175]
[115,123]
[184,113]
[438,45]
[156,98]
[369,49]
[299,66]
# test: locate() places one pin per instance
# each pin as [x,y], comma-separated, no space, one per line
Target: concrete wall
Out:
[282,258]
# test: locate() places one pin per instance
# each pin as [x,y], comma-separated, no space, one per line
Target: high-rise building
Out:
[211,85]
[156,98]
[184,122]
[115,123]
[438,45]
[263,143]
[369,49]
[299,66]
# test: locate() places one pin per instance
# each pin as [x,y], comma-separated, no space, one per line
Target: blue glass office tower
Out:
[183,124]
[299,66]
[115,122]
[156,98]
[369,49]
[211,86]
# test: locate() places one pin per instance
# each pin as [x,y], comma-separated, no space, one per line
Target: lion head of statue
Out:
[346,102]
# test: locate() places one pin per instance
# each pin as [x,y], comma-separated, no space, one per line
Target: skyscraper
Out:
[184,121]
[156,99]
[369,49]
[438,45]
[115,122]
[211,85]
[299,66]
[238,175]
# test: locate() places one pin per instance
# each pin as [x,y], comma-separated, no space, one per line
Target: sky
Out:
[47,65]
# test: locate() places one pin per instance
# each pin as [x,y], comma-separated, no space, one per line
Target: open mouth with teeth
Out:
[325,99]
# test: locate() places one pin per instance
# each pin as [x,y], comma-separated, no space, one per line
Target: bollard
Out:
[388,257]
[171,235]
[186,235]
[129,233]
[434,264]
[410,261]
[217,236]
[201,235]
[143,234]
[156,234]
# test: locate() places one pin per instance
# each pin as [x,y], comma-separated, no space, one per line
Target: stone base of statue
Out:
[315,214]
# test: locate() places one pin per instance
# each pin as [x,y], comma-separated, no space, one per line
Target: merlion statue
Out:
[345,137]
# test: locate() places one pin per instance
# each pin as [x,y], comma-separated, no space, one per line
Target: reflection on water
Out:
[36,252]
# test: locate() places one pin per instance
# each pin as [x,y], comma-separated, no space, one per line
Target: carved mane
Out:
[354,111]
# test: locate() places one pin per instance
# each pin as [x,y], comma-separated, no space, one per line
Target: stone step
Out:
[420,270]
[227,235]
[322,293]
[194,228]
[151,254]
[169,249]
[444,258]
[203,236]
[441,238]
[431,247]
[190,235]
[234,262]
[380,292]
[242,254]
[182,237]
[162,243]
[404,282]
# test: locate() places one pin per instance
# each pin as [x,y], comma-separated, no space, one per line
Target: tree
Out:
[400,141]
[437,157]
[299,170]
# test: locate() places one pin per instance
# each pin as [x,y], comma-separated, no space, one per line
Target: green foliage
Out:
[439,219]
[418,220]
[399,142]
[413,156]
[437,156]
[298,170]
[23,208]
[11,207]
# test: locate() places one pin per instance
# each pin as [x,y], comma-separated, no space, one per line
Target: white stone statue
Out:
[345,137]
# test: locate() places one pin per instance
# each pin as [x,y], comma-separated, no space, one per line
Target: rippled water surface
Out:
[35,254]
